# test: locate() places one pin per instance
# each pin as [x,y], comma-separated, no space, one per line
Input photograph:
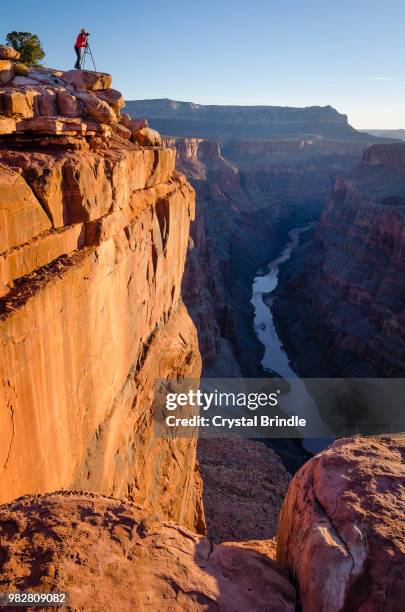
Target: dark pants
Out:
[79,53]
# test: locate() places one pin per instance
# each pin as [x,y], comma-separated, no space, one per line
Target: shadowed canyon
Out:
[128,257]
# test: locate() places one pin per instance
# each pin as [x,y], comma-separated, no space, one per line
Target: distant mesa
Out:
[399,134]
[187,119]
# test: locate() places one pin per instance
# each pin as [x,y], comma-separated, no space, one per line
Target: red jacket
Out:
[81,40]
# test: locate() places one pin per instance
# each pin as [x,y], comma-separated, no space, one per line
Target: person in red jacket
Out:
[80,44]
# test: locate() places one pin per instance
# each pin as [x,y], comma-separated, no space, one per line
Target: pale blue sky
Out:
[350,54]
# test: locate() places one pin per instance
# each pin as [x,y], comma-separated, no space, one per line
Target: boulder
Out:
[6,71]
[7,52]
[52,125]
[21,103]
[68,105]
[341,531]
[103,550]
[21,215]
[112,97]
[45,77]
[96,108]
[102,129]
[87,79]
[125,119]
[47,102]
[122,131]
[147,137]
[134,124]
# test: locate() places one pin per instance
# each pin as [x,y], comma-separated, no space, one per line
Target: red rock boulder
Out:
[147,137]
[88,79]
[7,52]
[6,71]
[111,555]
[112,97]
[341,531]
[96,108]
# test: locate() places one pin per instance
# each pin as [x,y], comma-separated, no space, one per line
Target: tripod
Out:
[87,53]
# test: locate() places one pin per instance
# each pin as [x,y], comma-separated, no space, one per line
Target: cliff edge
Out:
[94,228]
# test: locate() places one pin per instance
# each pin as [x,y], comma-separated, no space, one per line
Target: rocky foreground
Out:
[341,543]
[114,556]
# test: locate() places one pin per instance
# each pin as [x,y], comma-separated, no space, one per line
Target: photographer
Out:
[80,44]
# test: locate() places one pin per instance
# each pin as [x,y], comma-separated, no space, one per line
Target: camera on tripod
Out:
[87,53]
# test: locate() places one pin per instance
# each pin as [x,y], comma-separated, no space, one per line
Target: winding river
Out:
[275,358]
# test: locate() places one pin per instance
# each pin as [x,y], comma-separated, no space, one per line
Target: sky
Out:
[349,54]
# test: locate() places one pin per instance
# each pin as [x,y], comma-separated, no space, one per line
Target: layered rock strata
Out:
[187,119]
[341,533]
[94,232]
[249,195]
[77,103]
[343,290]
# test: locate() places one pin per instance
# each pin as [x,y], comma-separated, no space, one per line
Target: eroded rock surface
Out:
[94,232]
[342,531]
[111,555]
[244,485]
[44,102]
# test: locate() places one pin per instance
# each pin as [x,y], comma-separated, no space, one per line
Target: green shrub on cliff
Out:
[20,69]
[28,45]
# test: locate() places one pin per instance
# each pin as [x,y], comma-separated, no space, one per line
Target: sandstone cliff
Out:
[343,290]
[94,232]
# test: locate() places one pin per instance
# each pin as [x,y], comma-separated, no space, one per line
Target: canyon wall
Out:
[342,291]
[249,195]
[187,119]
[94,233]
[397,134]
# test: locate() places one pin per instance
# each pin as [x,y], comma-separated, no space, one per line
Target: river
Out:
[275,358]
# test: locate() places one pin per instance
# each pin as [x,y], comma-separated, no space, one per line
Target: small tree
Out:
[28,45]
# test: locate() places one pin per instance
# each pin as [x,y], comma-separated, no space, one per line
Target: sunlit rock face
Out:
[94,232]
[341,532]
